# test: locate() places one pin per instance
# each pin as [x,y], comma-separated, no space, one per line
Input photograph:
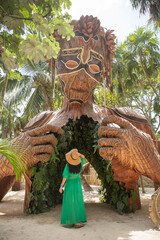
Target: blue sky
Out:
[113,14]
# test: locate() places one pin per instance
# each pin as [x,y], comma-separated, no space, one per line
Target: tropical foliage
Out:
[26,42]
[27,29]
[27,97]
[153,6]
[16,156]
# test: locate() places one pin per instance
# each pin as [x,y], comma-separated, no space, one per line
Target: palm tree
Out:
[143,47]
[31,95]
[136,74]
[35,87]
[120,71]
[152,5]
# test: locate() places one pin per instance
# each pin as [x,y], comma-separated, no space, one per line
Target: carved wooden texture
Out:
[133,148]
[131,151]
[5,184]
[39,144]
[88,25]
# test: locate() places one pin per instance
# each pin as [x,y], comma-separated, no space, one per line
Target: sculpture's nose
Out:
[82,74]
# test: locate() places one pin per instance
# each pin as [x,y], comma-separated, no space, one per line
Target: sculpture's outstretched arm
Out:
[133,148]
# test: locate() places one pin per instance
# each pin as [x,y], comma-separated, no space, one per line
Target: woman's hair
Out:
[74,168]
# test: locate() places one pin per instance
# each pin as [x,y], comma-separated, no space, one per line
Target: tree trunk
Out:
[123,91]
[3,91]
[104,83]
[47,99]
[85,185]
[86,169]
[53,75]
[4,86]
[9,123]
[4,133]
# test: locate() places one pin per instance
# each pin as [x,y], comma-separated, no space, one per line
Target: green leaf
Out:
[125,199]
[33,170]
[8,60]
[133,207]
[95,148]
[13,23]
[32,49]
[41,24]
[120,206]
[15,75]
[51,48]
[25,12]
[114,197]
[134,194]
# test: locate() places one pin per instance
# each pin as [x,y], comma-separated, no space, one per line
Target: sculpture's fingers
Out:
[123,123]
[108,147]
[41,158]
[47,149]
[110,142]
[50,138]
[107,153]
[107,131]
[44,129]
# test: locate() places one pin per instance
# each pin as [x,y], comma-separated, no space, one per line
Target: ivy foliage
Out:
[83,135]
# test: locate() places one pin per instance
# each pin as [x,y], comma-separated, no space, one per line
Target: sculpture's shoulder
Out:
[138,120]
[39,120]
[128,113]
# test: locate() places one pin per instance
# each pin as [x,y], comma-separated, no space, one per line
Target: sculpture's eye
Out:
[71,64]
[94,68]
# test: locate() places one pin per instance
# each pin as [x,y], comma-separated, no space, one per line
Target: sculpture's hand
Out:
[133,148]
[39,143]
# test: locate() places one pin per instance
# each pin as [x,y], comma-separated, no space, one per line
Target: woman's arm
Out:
[62,184]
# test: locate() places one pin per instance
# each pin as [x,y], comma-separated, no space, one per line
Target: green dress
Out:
[73,210]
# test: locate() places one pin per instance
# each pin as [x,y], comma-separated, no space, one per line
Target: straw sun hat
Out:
[73,157]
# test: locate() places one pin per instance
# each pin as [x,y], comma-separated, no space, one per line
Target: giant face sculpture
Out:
[84,60]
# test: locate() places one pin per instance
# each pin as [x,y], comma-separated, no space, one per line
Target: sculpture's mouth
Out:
[77,95]
[75,100]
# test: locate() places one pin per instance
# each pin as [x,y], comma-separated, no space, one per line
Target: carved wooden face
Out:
[81,67]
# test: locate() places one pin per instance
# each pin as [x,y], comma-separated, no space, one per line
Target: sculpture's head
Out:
[85,60]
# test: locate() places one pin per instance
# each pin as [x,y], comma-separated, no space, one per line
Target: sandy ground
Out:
[103,222]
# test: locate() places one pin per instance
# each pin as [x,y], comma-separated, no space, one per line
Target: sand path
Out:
[104,223]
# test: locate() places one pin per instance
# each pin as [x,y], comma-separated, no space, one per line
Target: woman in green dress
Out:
[73,209]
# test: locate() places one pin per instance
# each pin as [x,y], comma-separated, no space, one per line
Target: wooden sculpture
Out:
[132,147]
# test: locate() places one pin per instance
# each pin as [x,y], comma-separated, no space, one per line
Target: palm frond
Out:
[28,70]
[23,92]
[32,68]
[34,104]
[16,155]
